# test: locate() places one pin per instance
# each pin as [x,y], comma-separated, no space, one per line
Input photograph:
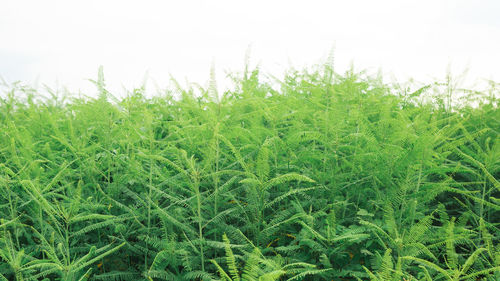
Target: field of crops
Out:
[326,177]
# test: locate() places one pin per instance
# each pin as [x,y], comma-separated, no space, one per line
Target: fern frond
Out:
[230,259]
[286,178]
[222,273]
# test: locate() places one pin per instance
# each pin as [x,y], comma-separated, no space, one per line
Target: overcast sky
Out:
[66,41]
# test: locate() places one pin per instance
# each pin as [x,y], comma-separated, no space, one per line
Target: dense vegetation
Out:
[331,177]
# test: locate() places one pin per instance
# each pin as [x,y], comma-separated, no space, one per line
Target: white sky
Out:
[66,41]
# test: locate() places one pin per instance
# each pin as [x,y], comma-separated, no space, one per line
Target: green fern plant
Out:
[257,267]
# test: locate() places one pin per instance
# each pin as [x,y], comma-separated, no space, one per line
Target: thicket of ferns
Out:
[333,177]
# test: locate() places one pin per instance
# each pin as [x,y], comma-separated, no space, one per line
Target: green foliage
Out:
[331,177]
[258,267]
